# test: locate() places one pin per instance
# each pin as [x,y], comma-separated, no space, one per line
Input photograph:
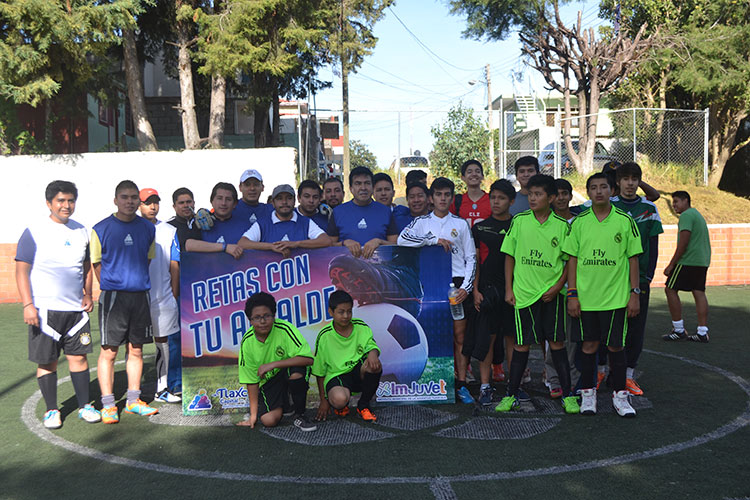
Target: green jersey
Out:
[284,341]
[698,252]
[538,252]
[603,249]
[646,216]
[336,354]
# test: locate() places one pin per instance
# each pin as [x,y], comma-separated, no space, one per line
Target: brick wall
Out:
[730,259]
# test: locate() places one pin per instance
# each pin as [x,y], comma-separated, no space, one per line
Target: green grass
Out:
[688,401]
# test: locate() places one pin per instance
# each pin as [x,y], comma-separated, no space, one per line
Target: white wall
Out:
[24,179]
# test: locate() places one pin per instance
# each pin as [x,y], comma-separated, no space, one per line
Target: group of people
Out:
[528,267]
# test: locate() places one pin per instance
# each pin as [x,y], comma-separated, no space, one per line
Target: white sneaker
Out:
[52,419]
[588,402]
[621,403]
[166,397]
[89,414]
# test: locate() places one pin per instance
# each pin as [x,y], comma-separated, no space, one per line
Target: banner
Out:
[401,293]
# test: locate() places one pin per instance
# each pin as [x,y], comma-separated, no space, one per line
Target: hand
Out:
[31,315]
[250,422]
[204,219]
[372,363]
[445,244]
[550,294]
[283,248]
[574,307]
[323,410]
[461,295]
[510,297]
[370,248]
[234,250]
[87,303]
[669,269]
[353,247]
[478,298]
[265,368]
[634,306]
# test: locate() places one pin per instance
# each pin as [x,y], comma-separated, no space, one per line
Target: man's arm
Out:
[653,257]
[23,282]
[252,398]
[201,246]
[88,284]
[325,408]
[651,194]
[510,265]
[550,294]
[574,306]
[470,260]
[284,363]
[682,245]
[97,271]
[174,277]
[414,235]
[634,304]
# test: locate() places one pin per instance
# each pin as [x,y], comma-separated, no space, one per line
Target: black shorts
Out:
[66,331]
[275,392]
[125,317]
[688,278]
[352,379]
[541,321]
[608,327]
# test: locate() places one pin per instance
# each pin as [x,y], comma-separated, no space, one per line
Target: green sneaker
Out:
[508,403]
[570,404]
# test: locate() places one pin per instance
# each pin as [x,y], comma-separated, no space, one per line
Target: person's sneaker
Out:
[570,404]
[110,415]
[342,412]
[703,339]
[555,392]
[600,376]
[588,402]
[140,408]
[674,336]
[176,390]
[166,397]
[366,415]
[633,388]
[464,395]
[621,403]
[302,423]
[89,414]
[522,396]
[498,374]
[508,403]
[485,396]
[470,375]
[52,419]
[526,376]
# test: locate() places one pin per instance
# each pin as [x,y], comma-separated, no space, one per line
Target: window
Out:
[106,115]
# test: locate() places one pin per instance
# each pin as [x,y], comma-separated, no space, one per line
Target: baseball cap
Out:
[147,193]
[282,188]
[250,174]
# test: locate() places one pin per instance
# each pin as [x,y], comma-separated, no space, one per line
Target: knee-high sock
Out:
[588,370]
[617,364]
[370,382]
[562,366]
[162,365]
[81,385]
[517,367]
[298,391]
[48,386]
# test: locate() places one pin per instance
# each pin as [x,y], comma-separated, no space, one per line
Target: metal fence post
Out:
[557,144]
[504,145]
[635,150]
[705,147]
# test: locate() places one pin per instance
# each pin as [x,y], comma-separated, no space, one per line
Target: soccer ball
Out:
[401,339]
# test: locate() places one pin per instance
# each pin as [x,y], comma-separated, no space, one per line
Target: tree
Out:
[462,136]
[134,78]
[361,156]
[572,60]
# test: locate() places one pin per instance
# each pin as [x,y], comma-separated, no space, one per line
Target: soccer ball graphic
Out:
[401,339]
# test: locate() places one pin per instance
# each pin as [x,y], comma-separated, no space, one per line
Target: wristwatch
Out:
[635,290]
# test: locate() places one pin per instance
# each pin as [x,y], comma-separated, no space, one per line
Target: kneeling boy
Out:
[346,360]
[273,362]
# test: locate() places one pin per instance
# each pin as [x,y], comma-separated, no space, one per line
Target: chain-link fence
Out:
[667,138]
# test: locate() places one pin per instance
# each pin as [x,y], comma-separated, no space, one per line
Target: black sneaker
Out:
[302,423]
[673,336]
[703,339]
[523,396]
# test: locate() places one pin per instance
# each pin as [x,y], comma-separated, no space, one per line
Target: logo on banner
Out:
[200,401]
[232,398]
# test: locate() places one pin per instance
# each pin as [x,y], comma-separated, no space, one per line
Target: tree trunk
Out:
[345,112]
[187,96]
[143,131]
[587,142]
[723,144]
[276,130]
[261,127]
[218,112]
[48,146]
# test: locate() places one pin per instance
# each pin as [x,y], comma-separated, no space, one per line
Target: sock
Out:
[484,386]
[133,395]
[617,367]
[678,326]
[81,385]
[517,367]
[48,386]
[298,391]
[459,383]
[588,370]
[108,400]
[562,365]
[162,365]
[630,373]
[370,382]
[702,330]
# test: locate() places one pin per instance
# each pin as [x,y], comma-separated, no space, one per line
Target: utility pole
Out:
[345,94]
[489,117]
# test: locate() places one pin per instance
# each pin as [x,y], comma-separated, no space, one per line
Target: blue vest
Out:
[284,230]
[249,214]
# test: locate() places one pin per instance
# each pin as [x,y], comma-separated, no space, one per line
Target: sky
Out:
[422,67]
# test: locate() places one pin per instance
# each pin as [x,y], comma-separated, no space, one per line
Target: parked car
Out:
[547,158]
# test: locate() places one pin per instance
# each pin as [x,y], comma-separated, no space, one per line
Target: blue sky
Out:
[402,75]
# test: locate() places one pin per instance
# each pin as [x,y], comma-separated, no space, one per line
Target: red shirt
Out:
[473,211]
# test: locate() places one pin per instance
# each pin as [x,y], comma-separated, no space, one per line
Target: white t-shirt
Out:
[56,253]
[164,312]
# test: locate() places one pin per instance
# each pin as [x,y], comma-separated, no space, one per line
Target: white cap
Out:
[250,174]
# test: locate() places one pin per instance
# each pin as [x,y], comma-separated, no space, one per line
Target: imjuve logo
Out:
[618,238]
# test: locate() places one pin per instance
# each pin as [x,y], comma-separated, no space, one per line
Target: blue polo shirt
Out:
[251,214]
[350,221]
[402,217]
[226,231]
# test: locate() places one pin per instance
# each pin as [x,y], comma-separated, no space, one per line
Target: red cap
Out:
[147,193]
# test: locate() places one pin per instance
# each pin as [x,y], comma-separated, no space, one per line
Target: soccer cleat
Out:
[703,339]
[508,403]
[302,423]
[588,401]
[674,336]
[485,396]
[342,412]
[366,415]
[498,374]
[570,405]
[373,283]
[464,395]
[555,392]
[621,403]
[140,408]
[600,376]
[110,415]
[633,387]
[89,414]
[52,419]
[166,397]
[522,396]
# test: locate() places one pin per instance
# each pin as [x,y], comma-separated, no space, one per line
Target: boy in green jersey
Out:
[534,278]
[603,245]
[273,363]
[687,269]
[346,360]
